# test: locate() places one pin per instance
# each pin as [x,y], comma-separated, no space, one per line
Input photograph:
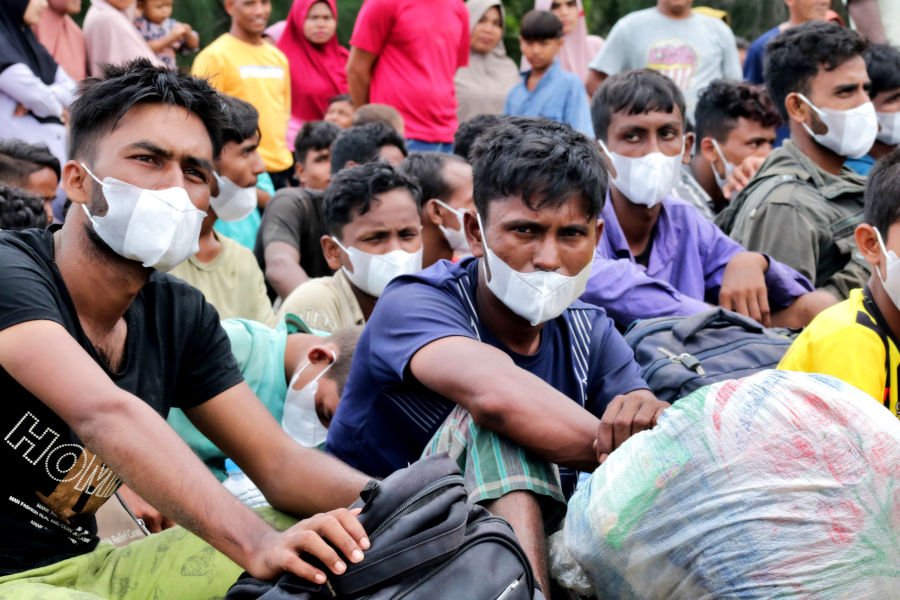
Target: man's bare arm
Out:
[359,75]
[137,444]
[283,270]
[513,402]
[294,479]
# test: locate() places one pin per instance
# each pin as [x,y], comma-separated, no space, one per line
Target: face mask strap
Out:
[487,266]
[811,105]
[459,213]
[307,365]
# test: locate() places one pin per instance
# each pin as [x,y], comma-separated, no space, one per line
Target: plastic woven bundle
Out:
[779,485]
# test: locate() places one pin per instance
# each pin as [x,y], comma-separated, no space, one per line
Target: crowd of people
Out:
[321,263]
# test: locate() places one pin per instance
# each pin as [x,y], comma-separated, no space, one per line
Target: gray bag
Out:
[681,354]
[428,542]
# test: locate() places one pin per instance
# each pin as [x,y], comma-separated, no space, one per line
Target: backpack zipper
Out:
[700,356]
[425,491]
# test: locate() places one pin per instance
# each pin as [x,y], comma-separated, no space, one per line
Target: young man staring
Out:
[659,256]
[128,342]
[502,336]
[803,204]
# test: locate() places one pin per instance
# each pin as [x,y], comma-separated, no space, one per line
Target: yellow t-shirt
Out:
[232,282]
[848,342]
[258,75]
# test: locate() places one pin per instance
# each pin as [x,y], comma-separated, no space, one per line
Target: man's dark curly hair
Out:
[723,102]
[20,210]
[546,163]
[794,57]
[103,101]
[355,188]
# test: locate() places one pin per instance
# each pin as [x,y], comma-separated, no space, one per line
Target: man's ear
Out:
[430,210]
[322,354]
[867,242]
[75,181]
[299,171]
[689,138]
[798,111]
[332,252]
[708,150]
[473,234]
[600,225]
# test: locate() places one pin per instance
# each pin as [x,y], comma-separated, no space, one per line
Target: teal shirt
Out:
[259,351]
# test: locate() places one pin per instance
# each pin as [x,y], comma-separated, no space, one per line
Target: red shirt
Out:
[420,44]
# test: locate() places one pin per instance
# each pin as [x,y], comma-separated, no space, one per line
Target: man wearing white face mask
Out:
[225,271]
[371,213]
[446,182]
[803,204]
[659,256]
[857,339]
[128,343]
[735,128]
[498,343]
[883,66]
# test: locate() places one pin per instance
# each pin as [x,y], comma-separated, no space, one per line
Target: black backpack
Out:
[681,354]
[428,542]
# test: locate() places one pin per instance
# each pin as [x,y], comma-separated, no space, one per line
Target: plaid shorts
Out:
[494,466]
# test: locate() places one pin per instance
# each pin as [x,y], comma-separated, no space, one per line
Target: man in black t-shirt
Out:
[96,346]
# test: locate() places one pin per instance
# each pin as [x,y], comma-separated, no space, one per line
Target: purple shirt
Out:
[684,272]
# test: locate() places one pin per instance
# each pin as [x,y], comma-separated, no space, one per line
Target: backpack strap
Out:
[736,215]
[871,318]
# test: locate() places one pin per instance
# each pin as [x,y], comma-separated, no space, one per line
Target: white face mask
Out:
[233,202]
[455,237]
[647,179]
[890,128]
[729,167]
[372,272]
[851,133]
[537,297]
[300,420]
[159,228]
[891,278]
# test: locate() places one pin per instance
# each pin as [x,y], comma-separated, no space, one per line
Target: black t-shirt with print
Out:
[176,354]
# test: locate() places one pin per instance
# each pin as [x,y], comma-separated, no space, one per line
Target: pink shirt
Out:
[420,44]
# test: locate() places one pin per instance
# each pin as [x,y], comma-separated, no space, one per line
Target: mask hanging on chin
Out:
[300,420]
[729,167]
[647,179]
[158,228]
[851,133]
[233,202]
[372,272]
[456,238]
[538,296]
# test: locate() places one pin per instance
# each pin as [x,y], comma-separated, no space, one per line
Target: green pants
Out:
[494,466]
[171,565]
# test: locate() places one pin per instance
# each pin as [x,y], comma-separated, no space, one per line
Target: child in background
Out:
[340,111]
[164,34]
[546,90]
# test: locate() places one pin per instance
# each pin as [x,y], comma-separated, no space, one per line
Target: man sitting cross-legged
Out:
[127,342]
[502,336]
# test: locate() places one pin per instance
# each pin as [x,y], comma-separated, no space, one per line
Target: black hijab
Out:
[18,44]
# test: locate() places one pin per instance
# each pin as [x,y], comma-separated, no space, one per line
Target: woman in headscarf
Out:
[318,63]
[34,90]
[578,47]
[111,36]
[481,87]
[62,38]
